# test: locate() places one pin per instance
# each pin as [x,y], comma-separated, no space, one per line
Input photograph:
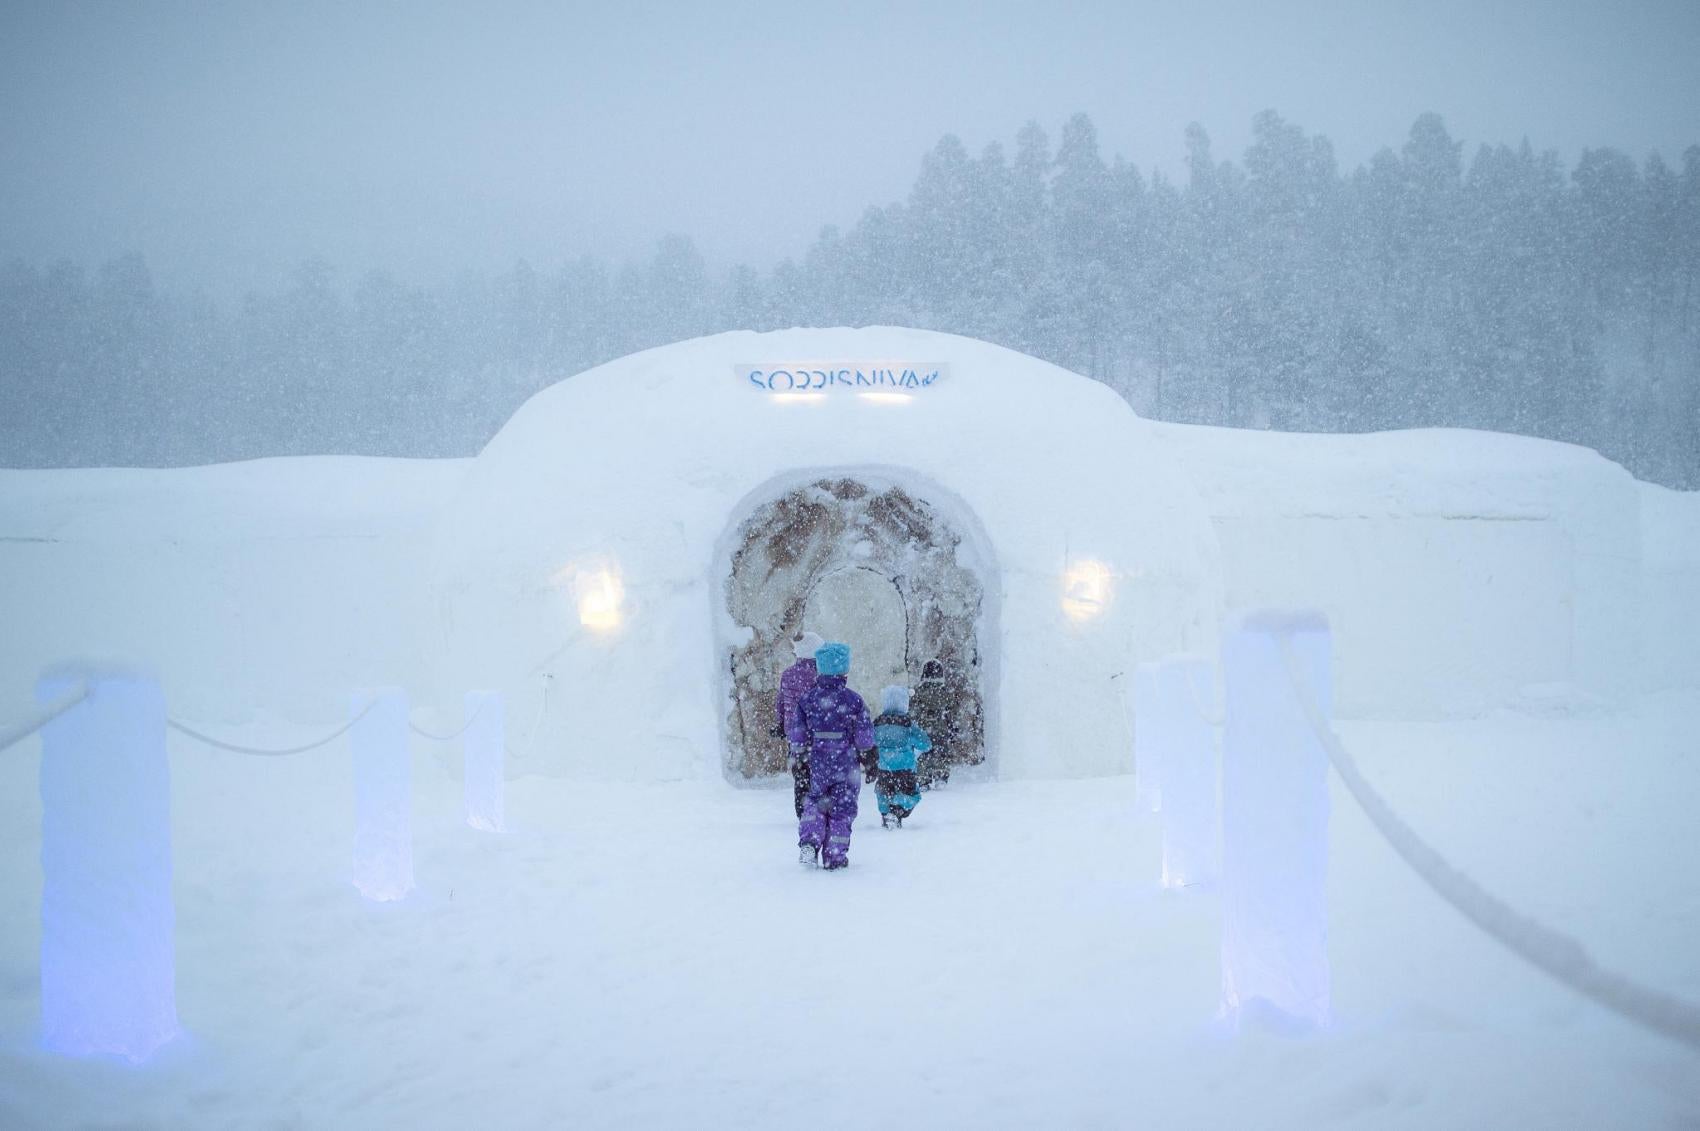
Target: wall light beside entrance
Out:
[598,592]
[1087,588]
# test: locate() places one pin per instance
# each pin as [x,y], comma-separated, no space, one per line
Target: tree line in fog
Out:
[1497,289]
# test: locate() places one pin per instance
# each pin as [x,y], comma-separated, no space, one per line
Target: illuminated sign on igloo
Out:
[844,377]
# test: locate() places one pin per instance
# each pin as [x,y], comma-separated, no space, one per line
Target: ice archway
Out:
[892,565]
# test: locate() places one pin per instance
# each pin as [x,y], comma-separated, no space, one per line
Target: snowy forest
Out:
[1499,290]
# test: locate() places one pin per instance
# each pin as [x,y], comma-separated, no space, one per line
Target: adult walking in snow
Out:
[830,727]
[797,679]
[935,713]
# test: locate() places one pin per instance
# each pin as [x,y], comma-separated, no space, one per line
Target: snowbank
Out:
[1461,571]
[272,587]
[1670,587]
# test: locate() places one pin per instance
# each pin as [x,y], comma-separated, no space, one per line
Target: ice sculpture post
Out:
[1187,766]
[1147,739]
[383,796]
[1275,824]
[108,957]
[484,772]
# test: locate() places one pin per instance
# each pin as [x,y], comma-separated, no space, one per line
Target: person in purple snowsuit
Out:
[798,678]
[831,728]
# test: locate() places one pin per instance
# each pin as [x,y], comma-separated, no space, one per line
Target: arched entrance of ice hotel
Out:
[896,568]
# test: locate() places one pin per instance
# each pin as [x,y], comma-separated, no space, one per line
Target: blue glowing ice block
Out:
[485,773]
[1275,825]
[1147,739]
[108,958]
[383,796]
[1187,767]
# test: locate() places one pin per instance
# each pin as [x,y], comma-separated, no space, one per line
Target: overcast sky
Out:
[227,142]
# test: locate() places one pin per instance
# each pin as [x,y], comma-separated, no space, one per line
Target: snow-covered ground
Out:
[652,955]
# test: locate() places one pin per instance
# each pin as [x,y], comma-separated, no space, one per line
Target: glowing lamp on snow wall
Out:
[1087,588]
[598,594]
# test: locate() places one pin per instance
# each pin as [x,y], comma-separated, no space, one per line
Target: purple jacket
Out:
[798,678]
[833,721]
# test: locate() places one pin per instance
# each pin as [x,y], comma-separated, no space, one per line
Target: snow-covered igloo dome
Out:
[629,557]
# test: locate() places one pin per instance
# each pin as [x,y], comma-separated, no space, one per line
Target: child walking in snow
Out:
[829,728]
[900,743]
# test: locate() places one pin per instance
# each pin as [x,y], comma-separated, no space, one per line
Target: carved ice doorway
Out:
[870,560]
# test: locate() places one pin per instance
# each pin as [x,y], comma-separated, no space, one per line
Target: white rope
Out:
[1215,719]
[466,726]
[28,727]
[268,752]
[1557,954]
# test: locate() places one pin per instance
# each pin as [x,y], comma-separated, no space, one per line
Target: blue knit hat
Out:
[833,659]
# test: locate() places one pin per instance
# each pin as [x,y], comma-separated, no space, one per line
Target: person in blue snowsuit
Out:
[900,743]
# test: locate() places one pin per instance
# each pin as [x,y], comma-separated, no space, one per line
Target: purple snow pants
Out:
[828,812]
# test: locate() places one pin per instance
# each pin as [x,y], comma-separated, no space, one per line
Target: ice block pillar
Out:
[108,953]
[383,795]
[1147,739]
[1275,824]
[485,773]
[1187,766]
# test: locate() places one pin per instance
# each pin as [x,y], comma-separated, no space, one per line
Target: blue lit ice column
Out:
[1147,738]
[1191,833]
[108,962]
[485,771]
[383,796]
[1274,825]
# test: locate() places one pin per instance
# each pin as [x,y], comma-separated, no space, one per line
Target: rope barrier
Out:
[267,752]
[466,726]
[24,729]
[1216,719]
[1556,954]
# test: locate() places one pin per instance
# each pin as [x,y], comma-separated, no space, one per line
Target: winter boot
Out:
[808,855]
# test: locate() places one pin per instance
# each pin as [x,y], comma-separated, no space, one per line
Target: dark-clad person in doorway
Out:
[797,679]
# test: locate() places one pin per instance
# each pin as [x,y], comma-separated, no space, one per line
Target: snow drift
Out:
[1462,572]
